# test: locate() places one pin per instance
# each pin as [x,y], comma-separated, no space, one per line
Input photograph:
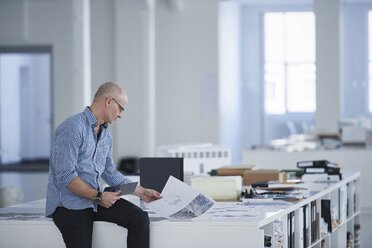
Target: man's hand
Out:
[147,195]
[109,198]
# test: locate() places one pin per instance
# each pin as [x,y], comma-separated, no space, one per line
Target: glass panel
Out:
[370,59]
[274,88]
[274,37]
[301,87]
[300,37]
[370,35]
[289,39]
[25,104]
[370,83]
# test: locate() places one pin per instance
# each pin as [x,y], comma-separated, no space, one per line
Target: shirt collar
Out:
[92,121]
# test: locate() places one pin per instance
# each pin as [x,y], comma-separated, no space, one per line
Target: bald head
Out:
[108,103]
[109,89]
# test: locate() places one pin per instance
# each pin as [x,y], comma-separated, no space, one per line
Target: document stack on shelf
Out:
[320,171]
[320,166]
[280,193]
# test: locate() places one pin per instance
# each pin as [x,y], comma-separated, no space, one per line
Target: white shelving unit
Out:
[344,208]
[352,159]
[277,225]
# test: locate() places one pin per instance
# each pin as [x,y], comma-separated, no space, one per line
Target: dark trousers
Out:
[76,226]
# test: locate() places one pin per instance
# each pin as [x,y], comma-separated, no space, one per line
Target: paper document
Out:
[180,201]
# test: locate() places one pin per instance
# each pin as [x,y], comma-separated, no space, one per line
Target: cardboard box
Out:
[236,170]
[255,176]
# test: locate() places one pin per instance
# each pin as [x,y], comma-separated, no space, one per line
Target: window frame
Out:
[369,63]
[261,128]
[285,64]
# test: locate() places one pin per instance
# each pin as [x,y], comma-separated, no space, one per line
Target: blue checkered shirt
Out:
[77,152]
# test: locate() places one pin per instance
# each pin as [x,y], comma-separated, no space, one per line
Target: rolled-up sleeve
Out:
[111,175]
[65,155]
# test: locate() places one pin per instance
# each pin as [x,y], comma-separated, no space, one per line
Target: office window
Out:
[289,62]
[370,60]
[25,104]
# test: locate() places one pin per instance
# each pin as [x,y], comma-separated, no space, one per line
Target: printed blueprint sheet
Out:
[180,201]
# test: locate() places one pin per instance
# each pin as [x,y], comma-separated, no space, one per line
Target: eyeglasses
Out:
[121,108]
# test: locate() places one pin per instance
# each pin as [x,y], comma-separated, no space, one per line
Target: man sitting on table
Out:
[81,155]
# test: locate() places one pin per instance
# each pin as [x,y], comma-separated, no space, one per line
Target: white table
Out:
[213,229]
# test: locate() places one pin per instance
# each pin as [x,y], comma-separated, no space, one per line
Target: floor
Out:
[365,231]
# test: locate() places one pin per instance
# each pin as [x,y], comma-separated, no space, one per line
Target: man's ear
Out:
[107,101]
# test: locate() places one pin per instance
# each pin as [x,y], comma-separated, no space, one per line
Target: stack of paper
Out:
[284,193]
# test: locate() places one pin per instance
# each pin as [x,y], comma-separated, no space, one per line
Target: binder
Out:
[317,216]
[267,241]
[306,226]
[326,213]
[299,225]
[343,204]
[316,164]
[289,231]
[313,224]
[328,170]
[315,170]
[293,230]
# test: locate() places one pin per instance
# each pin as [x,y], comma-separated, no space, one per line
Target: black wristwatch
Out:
[97,200]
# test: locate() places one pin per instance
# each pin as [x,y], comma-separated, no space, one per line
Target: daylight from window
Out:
[289,67]
[370,60]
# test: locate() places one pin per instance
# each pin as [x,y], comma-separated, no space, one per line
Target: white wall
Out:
[129,38]
[102,42]
[187,72]
[328,65]
[28,22]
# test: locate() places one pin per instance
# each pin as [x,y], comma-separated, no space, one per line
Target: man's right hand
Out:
[109,198]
